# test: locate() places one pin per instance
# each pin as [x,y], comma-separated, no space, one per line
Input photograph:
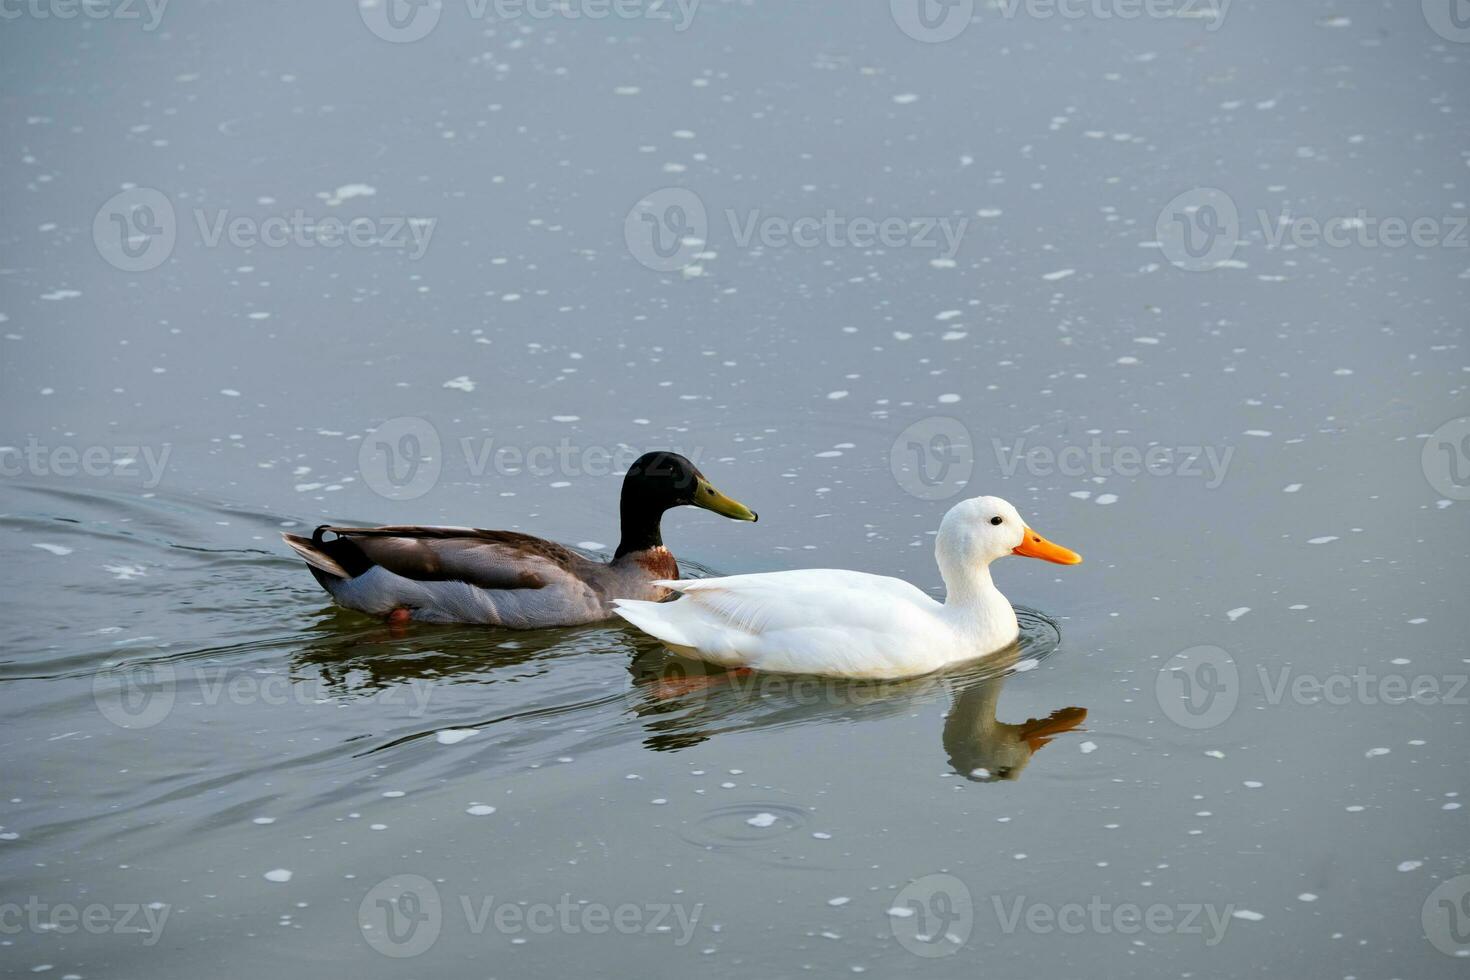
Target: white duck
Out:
[853,624]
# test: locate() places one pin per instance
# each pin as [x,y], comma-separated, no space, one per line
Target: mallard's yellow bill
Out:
[1035,546]
[709,498]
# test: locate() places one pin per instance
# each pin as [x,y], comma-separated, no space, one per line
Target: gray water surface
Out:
[1233,742]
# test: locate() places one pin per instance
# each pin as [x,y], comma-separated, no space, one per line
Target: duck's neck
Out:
[640,530]
[971,598]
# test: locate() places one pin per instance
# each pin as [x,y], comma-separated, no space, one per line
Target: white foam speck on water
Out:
[229,392]
[943,263]
[1376,752]
[1215,754]
[1080,494]
[1291,488]
[566,418]
[1088,748]
[989,213]
[660,801]
[280,875]
[461,383]
[1306,897]
[1107,498]
[835,395]
[627,90]
[944,316]
[840,900]
[1252,784]
[948,399]
[346,193]
[1400,661]
[1128,359]
[1418,621]
[1059,274]
[1235,614]
[264,821]
[762,820]
[900,913]
[1325,539]
[394,794]
[906,98]
[60,294]
[55,549]
[124,573]
[479,809]
[1410,865]
[1258,433]
[453,736]
[592,545]
[821,836]
[1247,915]
[1025,665]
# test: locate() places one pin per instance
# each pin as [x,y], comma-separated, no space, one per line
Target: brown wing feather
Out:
[487,559]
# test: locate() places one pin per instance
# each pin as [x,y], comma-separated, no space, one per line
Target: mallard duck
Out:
[503,578]
[853,624]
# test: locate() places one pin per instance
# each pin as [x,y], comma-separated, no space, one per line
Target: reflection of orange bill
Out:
[1039,731]
[1035,546]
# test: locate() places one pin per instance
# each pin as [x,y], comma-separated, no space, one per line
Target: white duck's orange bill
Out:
[1035,546]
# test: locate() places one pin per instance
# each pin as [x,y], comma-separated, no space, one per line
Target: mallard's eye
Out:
[995,520]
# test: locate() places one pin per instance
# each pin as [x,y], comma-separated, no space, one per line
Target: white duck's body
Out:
[853,624]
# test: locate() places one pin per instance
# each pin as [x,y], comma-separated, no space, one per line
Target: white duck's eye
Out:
[995,520]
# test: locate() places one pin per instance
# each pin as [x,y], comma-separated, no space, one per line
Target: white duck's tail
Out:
[662,620]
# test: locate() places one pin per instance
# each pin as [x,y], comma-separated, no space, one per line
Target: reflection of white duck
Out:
[984,748]
[852,624]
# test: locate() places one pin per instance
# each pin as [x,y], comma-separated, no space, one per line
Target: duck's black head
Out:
[658,481]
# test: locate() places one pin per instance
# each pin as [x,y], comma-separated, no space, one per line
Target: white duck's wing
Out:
[823,621]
